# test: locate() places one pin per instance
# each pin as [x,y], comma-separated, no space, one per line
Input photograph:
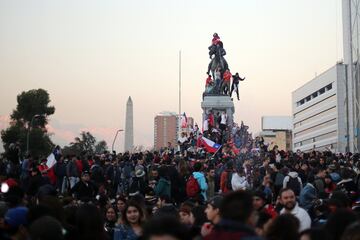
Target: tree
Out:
[85,144]
[101,147]
[32,107]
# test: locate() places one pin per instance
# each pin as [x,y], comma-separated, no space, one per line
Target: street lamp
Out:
[112,147]
[29,127]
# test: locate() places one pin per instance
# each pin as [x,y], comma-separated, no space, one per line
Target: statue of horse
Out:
[218,61]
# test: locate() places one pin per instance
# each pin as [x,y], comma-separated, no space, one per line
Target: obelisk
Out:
[129,128]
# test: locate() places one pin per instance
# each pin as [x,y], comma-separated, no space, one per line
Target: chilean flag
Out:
[209,145]
[183,121]
[50,162]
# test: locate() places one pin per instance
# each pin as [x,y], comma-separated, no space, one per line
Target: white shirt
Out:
[182,139]
[217,75]
[206,125]
[302,215]
[223,118]
[239,182]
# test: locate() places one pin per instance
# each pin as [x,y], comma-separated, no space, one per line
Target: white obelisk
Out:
[129,128]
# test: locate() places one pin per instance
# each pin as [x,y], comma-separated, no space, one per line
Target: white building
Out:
[319,112]
[351,40]
[276,130]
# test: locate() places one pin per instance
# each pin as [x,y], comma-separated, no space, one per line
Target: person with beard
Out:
[288,200]
[84,190]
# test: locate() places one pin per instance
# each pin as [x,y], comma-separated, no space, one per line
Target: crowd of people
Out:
[243,191]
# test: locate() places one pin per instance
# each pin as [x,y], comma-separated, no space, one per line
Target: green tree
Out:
[30,117]
[101,147]
[85,144]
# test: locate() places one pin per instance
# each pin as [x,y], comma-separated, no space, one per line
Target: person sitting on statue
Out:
[216,39]
[225,88]
[235,84]
[216,45]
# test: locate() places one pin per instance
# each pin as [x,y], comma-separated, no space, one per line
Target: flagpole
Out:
[217,151]
[179,82]
[179,94]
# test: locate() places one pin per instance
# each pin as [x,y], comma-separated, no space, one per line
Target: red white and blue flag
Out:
[209,145]
[183,120]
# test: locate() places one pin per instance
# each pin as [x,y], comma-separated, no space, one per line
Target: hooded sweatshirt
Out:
[292,175]
[163,187]
[202,183]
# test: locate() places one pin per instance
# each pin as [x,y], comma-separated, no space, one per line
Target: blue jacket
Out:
[307,196]
[202,183]
[124,232]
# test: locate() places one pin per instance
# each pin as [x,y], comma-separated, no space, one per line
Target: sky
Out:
[91,55]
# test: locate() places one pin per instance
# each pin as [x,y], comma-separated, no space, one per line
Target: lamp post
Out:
[29,127]
[112,147]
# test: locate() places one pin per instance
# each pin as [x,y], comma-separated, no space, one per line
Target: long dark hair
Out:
[89,223]
[138,207]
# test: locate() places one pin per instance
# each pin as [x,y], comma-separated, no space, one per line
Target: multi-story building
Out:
[351,41]
[166,127]
[276,130]
[319,112]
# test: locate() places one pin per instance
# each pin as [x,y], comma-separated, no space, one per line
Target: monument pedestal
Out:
[218,103]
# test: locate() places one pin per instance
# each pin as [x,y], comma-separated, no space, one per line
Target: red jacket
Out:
[227,76]
[208,81]
[211,120]
[223,181]
[215,40]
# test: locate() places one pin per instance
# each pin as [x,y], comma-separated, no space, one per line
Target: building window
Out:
[329,87]
[316,127]
[310,108]
[314,95]
[318,115]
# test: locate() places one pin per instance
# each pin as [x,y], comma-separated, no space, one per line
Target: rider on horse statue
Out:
[216,46]
[218,51]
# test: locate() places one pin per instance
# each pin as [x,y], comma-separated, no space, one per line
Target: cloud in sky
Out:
[64,133]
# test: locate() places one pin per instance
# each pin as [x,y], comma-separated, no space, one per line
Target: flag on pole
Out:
[209,145]
[50,161]
[183,120]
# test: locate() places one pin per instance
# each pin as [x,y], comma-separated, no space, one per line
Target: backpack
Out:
[294,185]
[228,181]
[279,179]
[192,187]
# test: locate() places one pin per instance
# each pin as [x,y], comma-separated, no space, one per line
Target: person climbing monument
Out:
[235,84]
[225,88]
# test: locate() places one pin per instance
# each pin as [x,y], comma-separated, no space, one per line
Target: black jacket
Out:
[84,191]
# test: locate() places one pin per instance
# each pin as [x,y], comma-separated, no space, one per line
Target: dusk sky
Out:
[91,55]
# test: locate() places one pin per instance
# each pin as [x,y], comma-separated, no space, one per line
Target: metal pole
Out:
[180,82]
[112,147]
[179,118]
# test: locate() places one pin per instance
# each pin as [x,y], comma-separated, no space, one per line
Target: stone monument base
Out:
[218,103]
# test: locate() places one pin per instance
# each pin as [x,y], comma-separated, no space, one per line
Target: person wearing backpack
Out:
[199,186]
[293,182]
